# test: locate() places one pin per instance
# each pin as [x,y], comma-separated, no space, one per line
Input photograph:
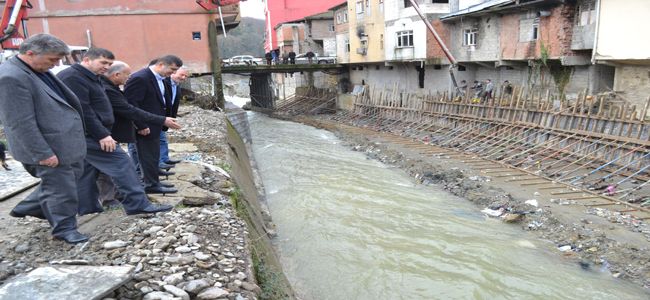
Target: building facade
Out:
[135,30]
[277,12]
[366,21]
[342,32]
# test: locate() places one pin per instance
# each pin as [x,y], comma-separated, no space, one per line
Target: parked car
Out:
[242,60]
[76,53]
[302,59]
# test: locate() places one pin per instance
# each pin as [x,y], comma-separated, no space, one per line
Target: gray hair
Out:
[44,44]
[116,67]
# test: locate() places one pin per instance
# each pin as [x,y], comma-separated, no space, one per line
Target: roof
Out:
[342,4]
[501,6]
[478,7]
[321,16]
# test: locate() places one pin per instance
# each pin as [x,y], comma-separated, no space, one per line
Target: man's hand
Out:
[145,131]
[171,123]
[107,144]
[52,161]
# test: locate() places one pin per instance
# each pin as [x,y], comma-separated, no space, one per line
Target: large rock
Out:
[196,286]
[158,296]
[212,293]
[177,292]
[66,282]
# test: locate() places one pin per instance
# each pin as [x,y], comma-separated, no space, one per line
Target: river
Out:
[354,228]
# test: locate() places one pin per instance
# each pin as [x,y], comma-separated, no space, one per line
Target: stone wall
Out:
[633,84]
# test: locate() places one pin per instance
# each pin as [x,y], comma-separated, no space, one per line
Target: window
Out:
[368,10]
[439,1]
[339,18]
[535,32]
[345,17]
[360,7]
[381,5]
[405,39]
[381,41]
[407,3]
[347,45]
[331,27]
[469,36]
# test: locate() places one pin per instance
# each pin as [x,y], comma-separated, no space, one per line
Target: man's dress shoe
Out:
[72,237]
[152,209]
[165,173]
[165,184]
[16,214]
[173,161]
[165,166]
[159,190]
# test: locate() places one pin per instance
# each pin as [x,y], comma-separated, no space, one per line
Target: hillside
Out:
[247,38]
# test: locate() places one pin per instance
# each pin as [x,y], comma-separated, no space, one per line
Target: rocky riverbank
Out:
[598,240]
[197,251]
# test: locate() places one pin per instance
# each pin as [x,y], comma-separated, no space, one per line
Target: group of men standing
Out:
[66,129]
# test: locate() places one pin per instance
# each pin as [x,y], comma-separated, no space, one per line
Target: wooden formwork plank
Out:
[566,192]
[535,183]
[520,179]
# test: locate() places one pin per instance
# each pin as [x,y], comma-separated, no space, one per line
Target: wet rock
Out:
[177,292]
[212,293]
[114,244]
[196,286]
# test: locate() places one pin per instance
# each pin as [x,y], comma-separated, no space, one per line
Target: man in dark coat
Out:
[125,114]
[45,130]
[103,153]
[146,88]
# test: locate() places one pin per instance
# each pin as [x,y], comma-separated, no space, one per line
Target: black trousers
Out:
[55,198]
[149,155]
[119,167]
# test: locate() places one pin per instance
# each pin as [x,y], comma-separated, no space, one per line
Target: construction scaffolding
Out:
[592,149]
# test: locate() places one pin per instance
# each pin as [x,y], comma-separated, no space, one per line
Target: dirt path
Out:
[591,236]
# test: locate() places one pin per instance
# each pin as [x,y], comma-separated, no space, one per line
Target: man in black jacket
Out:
[103,153]
[146,88]
[126,115]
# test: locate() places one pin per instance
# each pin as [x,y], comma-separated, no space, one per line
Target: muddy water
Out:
[353,228]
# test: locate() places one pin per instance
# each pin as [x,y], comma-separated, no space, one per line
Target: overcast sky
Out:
[252,8]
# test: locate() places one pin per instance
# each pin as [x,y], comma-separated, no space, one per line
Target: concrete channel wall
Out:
[251,206]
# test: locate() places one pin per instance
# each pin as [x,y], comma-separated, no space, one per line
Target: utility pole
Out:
[215,64]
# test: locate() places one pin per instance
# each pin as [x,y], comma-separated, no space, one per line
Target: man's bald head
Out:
[180,75]
[118,73]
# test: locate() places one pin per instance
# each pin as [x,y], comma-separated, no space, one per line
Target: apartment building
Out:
[342,32]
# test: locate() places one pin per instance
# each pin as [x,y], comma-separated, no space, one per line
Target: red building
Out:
[281,11]
[135,30]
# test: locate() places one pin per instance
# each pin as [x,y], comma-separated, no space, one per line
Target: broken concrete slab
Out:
[182,147]
[66,282]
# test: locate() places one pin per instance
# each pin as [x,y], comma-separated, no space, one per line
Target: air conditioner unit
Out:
[362,51]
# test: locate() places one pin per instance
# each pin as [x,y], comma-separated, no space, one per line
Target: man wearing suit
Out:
[125,113]
[146,88]
[45,130]
[103,153]
[172,101]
